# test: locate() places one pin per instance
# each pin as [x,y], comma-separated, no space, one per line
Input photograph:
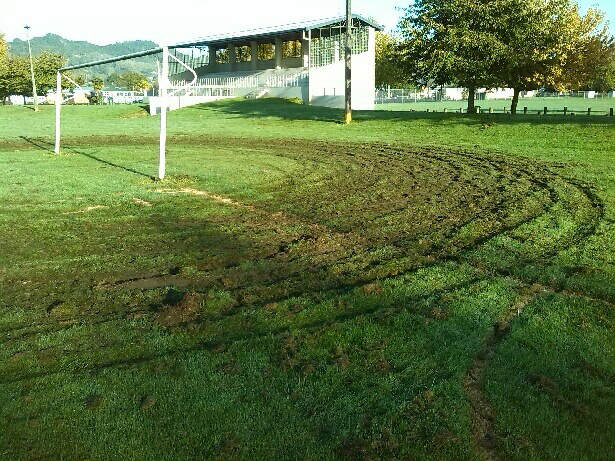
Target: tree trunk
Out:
[471,106]
[515,101]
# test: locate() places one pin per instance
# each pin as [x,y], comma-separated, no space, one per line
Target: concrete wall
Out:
[327,82]
[177,102]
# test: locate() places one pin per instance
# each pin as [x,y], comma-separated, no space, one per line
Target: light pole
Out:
[27,27]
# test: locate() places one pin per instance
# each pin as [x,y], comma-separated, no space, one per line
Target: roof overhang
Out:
[275,31]
[245,36]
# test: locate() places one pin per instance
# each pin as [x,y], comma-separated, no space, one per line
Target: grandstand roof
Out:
[253,34]
[274,31]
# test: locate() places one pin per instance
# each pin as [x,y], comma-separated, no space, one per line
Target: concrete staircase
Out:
[257,94]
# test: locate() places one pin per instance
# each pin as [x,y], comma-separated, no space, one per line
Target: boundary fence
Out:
[527,111]
[407,95]
[542,103]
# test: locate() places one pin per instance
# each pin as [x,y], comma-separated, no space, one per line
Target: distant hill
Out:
[79,52]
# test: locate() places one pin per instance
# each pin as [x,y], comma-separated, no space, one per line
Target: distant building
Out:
[119,95]
[302,60]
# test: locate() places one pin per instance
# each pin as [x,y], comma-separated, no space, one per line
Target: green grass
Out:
[555,105]
[301,289]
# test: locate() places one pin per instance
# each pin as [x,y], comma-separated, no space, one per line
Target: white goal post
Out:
[163,85]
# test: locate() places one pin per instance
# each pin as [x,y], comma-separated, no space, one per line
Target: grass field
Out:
[410,287]
[578,106]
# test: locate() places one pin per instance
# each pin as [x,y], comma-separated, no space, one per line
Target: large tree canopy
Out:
[15,72]
[551,45]
[4,69]
[532,37]
[389,69]
[520,44]
[452,41]
[587,54]
[132,80]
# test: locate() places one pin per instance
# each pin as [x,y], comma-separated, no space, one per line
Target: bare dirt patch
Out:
[184,311]
[202,193]
[86,209]
[142,202]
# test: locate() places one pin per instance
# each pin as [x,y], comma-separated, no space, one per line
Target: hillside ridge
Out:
[81,51]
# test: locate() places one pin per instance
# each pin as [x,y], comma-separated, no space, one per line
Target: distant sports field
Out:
[414,286]
[574,105]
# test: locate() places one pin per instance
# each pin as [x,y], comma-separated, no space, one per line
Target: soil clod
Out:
[184,311]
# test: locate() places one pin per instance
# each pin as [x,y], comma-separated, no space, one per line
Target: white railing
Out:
[203,90]
[262,80]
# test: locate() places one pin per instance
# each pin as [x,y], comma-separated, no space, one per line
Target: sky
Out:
[121,20]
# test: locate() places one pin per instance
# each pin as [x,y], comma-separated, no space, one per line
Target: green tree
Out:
[548,43]
[97,83]
[452,41]
[389,71]
[15,74]
[587,54]
[17,80]
[79,79]
[4,69]
[132,80]
[532,36]
[602,77]
[96,96]
[46,66]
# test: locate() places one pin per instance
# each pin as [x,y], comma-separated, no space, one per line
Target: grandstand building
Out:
[302,60]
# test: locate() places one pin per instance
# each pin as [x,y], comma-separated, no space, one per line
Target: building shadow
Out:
[291,110]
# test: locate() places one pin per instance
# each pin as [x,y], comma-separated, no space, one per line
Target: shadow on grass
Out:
[49,147]
[286,109]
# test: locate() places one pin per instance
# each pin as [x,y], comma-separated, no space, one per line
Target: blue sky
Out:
[115,20]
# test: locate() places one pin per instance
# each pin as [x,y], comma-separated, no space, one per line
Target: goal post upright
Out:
[58,110]
[163,89]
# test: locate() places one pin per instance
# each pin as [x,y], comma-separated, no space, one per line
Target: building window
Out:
[222,55]
[291,49]
[326,50]
[266,51]
[243,53]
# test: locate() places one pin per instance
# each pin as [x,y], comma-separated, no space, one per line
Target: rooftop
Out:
[245,36]
[280,30]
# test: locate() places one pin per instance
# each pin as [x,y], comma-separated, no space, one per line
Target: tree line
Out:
[15,76]
[518,44]
[15,72]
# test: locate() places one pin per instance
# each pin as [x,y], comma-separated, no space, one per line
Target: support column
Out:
[278,53]
[305,51]
[58,110]
[309,60]
[254,55]
[232,57]
[164,98]
[212,58]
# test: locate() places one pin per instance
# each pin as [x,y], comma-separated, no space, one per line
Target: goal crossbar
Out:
[115,59]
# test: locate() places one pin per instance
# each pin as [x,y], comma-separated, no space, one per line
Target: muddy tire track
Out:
[482,423]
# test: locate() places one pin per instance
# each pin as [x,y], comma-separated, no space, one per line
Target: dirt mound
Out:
[186,310]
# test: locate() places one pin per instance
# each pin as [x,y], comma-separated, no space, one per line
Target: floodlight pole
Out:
[347,59]
[27,27]
[163,83]
[58,109]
